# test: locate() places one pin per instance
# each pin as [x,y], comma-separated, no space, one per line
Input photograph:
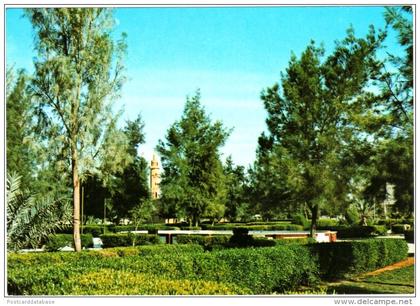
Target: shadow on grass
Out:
[368,288]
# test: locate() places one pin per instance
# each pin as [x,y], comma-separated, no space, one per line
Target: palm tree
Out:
[31,220]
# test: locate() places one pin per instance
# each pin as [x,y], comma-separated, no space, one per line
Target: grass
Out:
[398,281]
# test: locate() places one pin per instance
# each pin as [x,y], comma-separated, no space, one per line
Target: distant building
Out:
[154,178]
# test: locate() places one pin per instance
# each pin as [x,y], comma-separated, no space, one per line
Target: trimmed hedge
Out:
[327,223]
[57,241]
[128,239]
[301,241]
[254,271]
[110,282]
[353,231]
[339,259]
[265,227]
[400,228]
[239,239]
[409,236]
[207,242]
[179,267]
[142,227]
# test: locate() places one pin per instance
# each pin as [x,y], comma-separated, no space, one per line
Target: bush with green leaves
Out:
[250,270]
[268,226]
[326,223]
[400,228]
[352,215]
[300,219]
[337,260]
[409,236]
[302,241]
[355,231]
[128,239]
[207,242]
[58,241]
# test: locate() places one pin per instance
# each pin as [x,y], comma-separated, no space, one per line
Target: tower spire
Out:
[154,178]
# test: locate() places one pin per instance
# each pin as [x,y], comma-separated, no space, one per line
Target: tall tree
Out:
[193,173]
[389,119]
[130,187]
[235,181]
[78,74]
[18,131]
[310,121]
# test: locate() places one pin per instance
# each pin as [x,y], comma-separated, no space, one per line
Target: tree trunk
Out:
[76,202]
[314,218]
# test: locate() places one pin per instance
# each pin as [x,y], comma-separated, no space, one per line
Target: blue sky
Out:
[230,54]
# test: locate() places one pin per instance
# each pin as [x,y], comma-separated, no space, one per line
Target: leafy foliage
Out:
[254,271]
[78,74]
[128,239]
[311,126]
[30,221]
[20,158]
[192,183]
[342,258]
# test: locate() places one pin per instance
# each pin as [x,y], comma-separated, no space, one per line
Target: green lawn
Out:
[399,281]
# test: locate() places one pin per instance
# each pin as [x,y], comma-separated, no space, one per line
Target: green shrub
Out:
[94,230]
[240,231]
[339,259]
[326,223]
[191,228]
[256,227]
[276,227]
[143,227]
[145,250]
[128,239]
[409,236]
[110,282]
[356,232]
[400,228]
[207,242]
[256,271]
[295,241]
[240,238]
[300,219]
[263,242]
[57,241]
[380,230]
[352,216]
[389,222]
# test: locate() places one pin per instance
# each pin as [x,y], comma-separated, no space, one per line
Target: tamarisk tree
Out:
[78,75]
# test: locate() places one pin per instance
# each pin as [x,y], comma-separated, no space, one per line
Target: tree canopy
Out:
[78,75]
[192,181]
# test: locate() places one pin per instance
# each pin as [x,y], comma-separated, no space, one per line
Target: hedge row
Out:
[210,243]
[400,228]
[336,260]
[145,250]
[253,271]
[57,241]
[97,230]
[173,269]
[207,242]
[409,236]
[356,231]
[266,227]
[128,239]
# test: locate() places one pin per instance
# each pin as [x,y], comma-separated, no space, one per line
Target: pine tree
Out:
[192,182]
[310,123]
